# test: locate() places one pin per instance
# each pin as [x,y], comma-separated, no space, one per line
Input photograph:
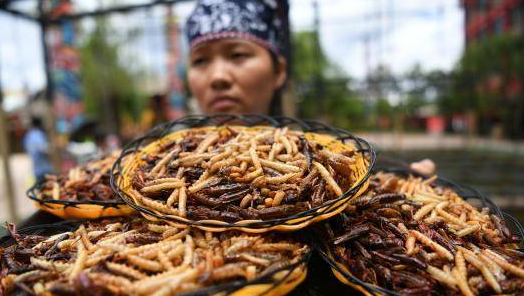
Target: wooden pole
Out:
[6,166]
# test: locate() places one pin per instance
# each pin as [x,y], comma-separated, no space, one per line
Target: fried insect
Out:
[233,175]
[137,257]
[89,182]
[407,233]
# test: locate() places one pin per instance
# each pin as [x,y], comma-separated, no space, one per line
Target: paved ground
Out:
[500,174]
[22,177]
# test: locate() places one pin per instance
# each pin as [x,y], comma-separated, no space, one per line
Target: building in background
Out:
[485,18]
[494,38]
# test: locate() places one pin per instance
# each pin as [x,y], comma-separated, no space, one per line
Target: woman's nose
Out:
[220,75]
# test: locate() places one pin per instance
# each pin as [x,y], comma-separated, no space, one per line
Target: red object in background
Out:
[486,18]
[61,8]
[494,83]
[435,125]
[67,58]
[514,88]
[384,123]
[67,163]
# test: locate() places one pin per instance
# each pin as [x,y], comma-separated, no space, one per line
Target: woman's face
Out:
[233,76]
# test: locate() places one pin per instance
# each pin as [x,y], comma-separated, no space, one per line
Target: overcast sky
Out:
[356,34]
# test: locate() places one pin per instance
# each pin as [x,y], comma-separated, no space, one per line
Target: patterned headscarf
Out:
[261,21]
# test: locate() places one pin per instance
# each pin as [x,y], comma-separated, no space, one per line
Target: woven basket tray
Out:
[72,209]
[277,283]
[343,274]
[334,139]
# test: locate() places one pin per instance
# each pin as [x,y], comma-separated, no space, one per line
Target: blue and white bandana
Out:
[261,21]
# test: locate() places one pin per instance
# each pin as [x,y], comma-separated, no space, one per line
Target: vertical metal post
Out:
[49,91]
[6,166]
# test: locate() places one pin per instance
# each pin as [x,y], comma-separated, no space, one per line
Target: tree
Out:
[381,82]
[381,86]
[108,87]
[399,99]
[489,81]
[416,90]
[423,88]
[322,88]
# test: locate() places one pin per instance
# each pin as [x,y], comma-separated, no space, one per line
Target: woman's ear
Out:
[281,72]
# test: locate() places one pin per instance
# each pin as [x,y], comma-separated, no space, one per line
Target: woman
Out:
[237,58]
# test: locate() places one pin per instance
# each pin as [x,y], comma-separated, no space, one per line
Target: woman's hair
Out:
[275,106]
[36,122]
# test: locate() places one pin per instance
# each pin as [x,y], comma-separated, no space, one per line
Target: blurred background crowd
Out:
[440,79]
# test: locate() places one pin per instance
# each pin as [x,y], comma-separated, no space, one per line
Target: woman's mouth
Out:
[223,103]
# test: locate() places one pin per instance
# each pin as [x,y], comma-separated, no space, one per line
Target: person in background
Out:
[106,143]
[237,59]
[37,146]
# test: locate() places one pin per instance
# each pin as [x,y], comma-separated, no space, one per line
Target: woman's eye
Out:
[198,61]
[240,55]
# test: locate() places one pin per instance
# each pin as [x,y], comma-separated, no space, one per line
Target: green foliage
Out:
[493,62]
[416,95]
[398,99]
[384,109]
[483,79]
[322,88]
[108,86]
[424,88]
